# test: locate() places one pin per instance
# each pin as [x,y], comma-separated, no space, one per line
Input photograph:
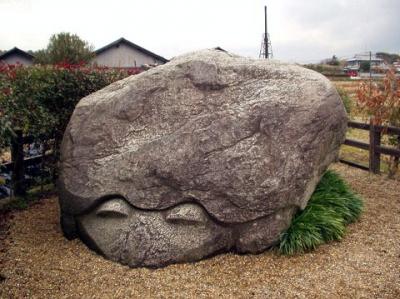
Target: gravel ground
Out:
[38,262]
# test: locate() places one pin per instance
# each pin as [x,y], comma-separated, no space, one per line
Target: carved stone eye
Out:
[187,214]
[114,208]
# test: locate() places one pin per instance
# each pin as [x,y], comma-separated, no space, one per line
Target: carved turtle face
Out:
[245,141]
[138,237]
[185,232]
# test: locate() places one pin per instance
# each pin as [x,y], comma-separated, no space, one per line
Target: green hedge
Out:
[39,100]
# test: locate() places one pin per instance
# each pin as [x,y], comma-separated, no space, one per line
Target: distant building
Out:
[125,54]
[354,64]
[396,65]
[15,56]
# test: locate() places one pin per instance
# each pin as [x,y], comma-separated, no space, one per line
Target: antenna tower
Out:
[266,46]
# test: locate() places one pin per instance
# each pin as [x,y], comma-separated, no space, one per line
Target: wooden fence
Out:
[19,163]
[374,146]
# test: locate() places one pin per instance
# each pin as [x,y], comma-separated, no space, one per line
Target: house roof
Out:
[132,45]
[16,50]
[220,49]
[365,57]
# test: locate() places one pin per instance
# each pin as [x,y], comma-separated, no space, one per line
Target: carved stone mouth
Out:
[138,237]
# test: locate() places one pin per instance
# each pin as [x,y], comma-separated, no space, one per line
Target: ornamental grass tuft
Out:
[332,206]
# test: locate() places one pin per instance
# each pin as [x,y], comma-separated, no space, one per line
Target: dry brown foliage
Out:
[381,102]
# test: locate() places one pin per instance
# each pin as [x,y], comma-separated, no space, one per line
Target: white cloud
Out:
[300,30]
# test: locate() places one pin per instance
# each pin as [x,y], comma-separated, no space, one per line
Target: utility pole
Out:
[266,32]
[370,64]
[370,73]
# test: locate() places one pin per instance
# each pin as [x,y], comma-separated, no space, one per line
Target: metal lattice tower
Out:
[263,47]
[266,46]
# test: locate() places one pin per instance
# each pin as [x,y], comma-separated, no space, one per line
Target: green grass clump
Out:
[331,207]
[346,99]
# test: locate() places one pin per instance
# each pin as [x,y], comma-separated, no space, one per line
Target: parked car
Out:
[352,73]
[34,149]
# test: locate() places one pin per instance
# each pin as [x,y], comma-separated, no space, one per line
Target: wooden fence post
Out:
[17,157]
[374,155]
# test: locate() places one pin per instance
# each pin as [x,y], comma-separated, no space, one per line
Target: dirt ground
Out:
[37,262]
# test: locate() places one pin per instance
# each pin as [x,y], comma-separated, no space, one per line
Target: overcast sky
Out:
[300,30]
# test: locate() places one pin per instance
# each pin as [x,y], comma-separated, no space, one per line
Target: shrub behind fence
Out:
[38,101]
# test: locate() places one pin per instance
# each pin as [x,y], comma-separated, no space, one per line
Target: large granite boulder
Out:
[210,152]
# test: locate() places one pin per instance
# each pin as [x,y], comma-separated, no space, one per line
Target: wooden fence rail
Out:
[374,146]
[18,164]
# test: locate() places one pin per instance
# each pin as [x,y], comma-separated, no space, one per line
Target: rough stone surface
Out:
[209,152]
